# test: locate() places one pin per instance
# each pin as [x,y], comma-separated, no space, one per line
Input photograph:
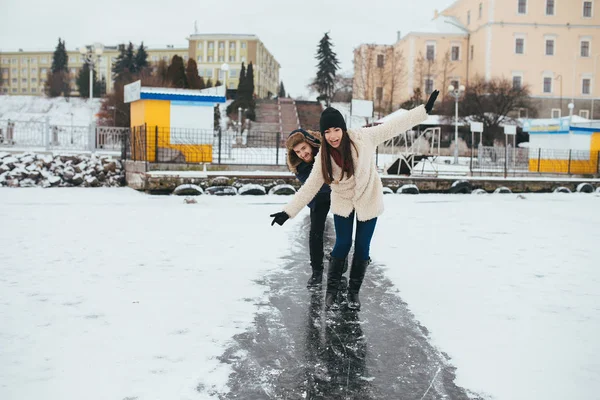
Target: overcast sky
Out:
[290,30]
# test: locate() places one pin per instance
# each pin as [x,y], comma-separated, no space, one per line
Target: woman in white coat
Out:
[347,164]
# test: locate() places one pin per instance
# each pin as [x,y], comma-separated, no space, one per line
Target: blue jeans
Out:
[343,237]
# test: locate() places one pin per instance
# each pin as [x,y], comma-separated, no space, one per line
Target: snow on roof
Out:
[443,24]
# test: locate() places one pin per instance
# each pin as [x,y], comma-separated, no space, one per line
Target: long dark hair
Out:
[344,149]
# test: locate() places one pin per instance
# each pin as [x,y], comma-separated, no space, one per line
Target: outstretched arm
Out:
[381,133]
[304,195]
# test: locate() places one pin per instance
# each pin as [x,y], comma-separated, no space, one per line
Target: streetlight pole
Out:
[456,93]
[594,85]
[88,55]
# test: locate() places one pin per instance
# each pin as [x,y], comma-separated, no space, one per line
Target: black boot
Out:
[357,274]
[315,242]
[316,278]
[334,273]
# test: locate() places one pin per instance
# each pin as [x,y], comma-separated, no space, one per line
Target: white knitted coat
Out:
[363,191]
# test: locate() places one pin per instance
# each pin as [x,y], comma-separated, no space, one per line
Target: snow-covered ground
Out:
[60,111]
[113,294]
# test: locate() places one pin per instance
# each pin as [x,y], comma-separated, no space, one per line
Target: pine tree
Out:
[193,78]
[209,83]
[83,82]
[242,78]
[130,60]
[119,65]
[58,80]
[327,66]
[218,83]
[141,59]
[249,82]
[176,73]
[281,90]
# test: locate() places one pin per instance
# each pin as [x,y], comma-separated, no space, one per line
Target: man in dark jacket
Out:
[302,147]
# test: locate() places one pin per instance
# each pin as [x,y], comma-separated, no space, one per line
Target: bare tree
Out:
[447,67]
[397,74]
[342,87]
[364,69]
[490,102]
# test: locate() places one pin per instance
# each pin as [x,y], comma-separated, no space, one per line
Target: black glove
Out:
[279,217]
[432,97]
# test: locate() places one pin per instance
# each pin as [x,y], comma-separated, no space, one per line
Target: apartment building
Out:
[211,51]
[24,72]
[550,45]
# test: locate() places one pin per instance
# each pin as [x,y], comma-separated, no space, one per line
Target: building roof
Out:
[442,24]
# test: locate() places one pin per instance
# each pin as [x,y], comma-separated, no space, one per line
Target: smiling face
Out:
[334,137]
[304,151]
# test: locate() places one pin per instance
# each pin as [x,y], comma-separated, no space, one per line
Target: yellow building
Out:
[211,51]
[24,72]
[552,46]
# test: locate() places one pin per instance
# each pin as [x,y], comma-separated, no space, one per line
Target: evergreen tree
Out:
[193,78]
[327,66]
[209,83]
[176,73]
[217,116]
[58,80]
[218,83]
[249,83]
[242,78]
[281,90]
[141,59]
[119,64]
[83,82]
[130,60]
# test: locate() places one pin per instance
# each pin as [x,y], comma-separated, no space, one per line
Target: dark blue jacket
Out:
[303,172]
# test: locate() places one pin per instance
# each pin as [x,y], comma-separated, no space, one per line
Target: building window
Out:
[33,71]
[24,80]
[154,58]
[243,45]
[468,17]
[33,80]
[584,114]
[13,61]
[428,86]
[517,82]
[14,71]
[233,73]
[472,51]
[209,73]
[14,90]
[210,59]
[549,7]
[199,59]
[480,10]
[211,45]
[231,58]
[44,60]
[430,54]
[455,53]
[587,9]
[44,71]
[550,47]
[23,71]
[232,45]
[519,46]
[14,80]
[243,59]
[547,85]
[522,6]
[379,60]
[221,45]
[200,45]
[585,48]
[33,60]
[24,90]
[379,93]
[555,113]
[33,90]
[586,85]
[221,58]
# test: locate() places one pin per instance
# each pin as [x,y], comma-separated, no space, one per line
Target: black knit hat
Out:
[331,118]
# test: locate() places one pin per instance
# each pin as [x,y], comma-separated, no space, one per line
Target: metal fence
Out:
[180,145]
[41,135]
